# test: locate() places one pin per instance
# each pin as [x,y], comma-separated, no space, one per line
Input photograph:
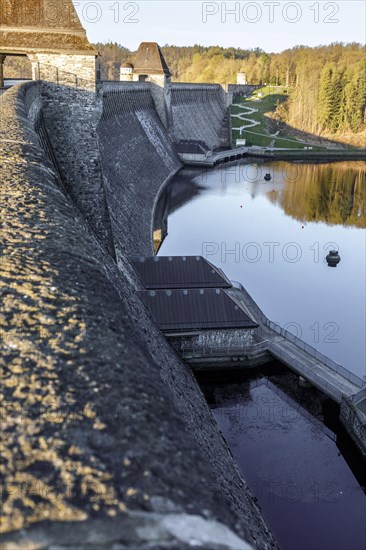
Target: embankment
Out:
[107,438]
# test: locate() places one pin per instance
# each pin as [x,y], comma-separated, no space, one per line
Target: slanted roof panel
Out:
[41,26]
[195,309]
[163,272]
[149,59]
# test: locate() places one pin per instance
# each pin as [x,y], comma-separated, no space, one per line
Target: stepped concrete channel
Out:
[107,439]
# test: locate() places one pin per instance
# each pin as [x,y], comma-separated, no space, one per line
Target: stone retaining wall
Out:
[103,424]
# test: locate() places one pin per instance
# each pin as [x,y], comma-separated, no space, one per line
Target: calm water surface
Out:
[273,238]
[292,464]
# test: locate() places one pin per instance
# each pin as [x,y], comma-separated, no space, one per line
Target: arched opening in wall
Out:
[143,77]
[16,68]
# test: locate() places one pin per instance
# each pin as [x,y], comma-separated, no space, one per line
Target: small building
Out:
[126,72]
[50,34]
[192,150]
[192,302]
[241,78]
[150,66]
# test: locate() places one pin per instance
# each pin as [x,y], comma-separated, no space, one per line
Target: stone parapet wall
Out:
[66,69]
[103,424]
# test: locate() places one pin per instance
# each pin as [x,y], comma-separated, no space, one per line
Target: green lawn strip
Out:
[261,140]
[258,135]
[264,105]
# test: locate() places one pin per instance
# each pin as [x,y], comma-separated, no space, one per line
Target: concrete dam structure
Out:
[137,160]
[108,442]
[107,437]
[200,113]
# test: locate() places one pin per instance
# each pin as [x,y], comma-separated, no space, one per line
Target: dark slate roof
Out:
[162,272]
[150,60]
[43,26]
[195,309]
[191,146]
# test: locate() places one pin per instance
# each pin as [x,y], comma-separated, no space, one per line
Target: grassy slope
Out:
[259,135]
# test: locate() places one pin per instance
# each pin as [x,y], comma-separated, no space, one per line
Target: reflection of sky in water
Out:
[323,305]
[304,486]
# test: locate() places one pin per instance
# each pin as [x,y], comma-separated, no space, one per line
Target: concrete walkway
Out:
[319,370]
[243,116]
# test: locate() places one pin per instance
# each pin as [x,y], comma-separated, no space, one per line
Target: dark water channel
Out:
[273,237]
[297,460]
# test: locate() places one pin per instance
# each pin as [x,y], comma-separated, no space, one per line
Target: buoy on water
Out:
[333,258]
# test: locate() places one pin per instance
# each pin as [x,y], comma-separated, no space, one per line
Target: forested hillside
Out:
[327,90]
[186,63]
[336,196]
[326,85]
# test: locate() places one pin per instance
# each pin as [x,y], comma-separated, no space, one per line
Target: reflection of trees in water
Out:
[330,193]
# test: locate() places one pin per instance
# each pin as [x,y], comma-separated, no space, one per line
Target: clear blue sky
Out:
[271,25]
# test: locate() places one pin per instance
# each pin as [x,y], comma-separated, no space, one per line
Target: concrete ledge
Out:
[142,530]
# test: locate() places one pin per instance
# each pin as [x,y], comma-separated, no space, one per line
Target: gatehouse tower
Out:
[150,66]
[50,34]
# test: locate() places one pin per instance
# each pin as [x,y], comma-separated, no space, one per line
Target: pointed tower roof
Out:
[47,26]
[149,59]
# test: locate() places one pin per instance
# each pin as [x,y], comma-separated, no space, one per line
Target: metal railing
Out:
[314,353]
[52,73]
[359,396]
[307,372]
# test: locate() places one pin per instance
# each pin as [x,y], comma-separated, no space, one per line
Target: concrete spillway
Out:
[200,112]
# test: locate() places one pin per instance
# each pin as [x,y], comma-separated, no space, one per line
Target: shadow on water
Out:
[307,475]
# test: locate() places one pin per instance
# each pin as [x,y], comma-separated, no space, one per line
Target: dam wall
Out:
[107,437]
[137,160]
[200,112]
[70,116]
